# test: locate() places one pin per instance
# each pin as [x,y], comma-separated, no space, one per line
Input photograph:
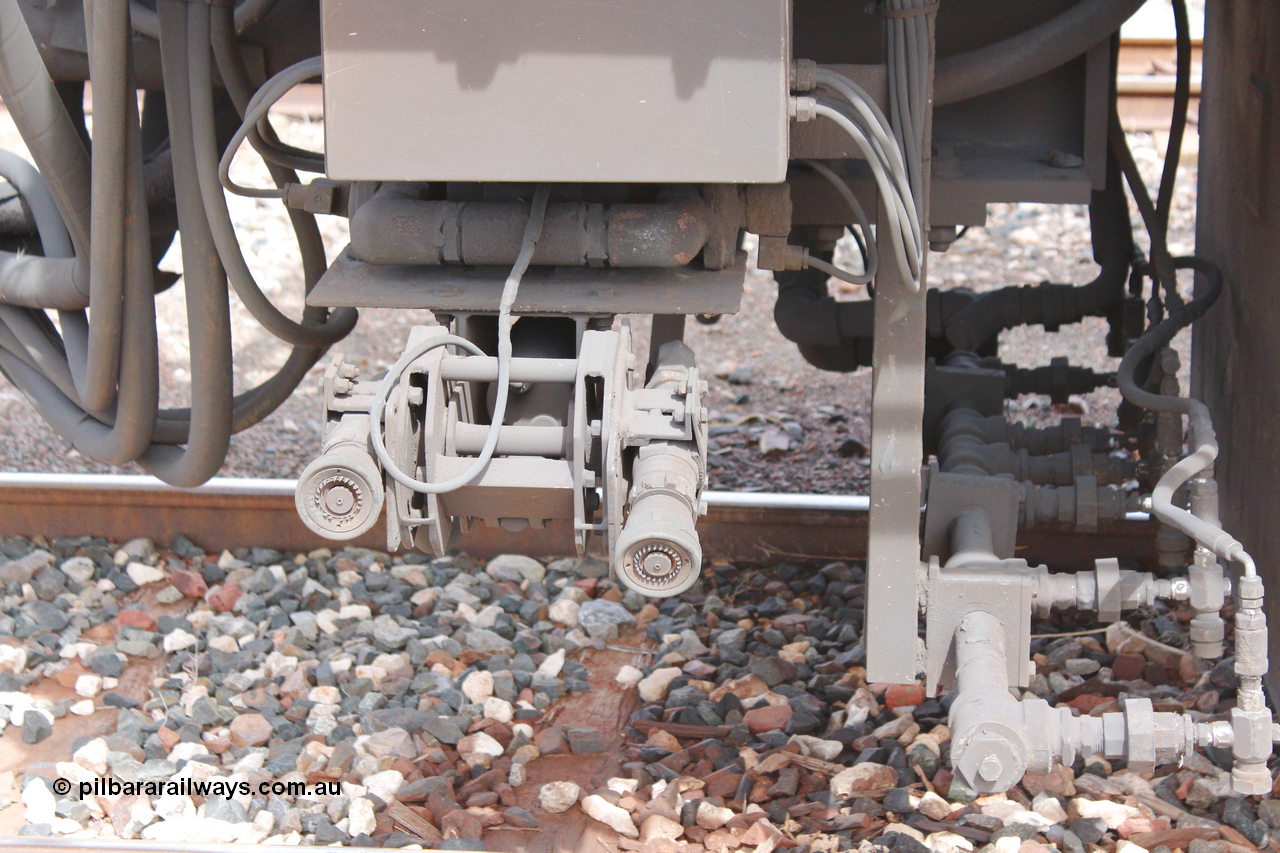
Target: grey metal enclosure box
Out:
[557,90]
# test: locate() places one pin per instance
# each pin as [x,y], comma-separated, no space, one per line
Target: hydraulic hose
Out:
[208,308]
[806,314]
[55,241]
[1200,431]
[248,13]
[1029,54]
[1059,304]
[58,281]
[306,333]
[32,100]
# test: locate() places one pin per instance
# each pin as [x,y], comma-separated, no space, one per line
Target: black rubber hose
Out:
[1053,305]
[1159,336]
[806,314]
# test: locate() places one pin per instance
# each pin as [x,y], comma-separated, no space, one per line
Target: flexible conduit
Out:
[1203,440]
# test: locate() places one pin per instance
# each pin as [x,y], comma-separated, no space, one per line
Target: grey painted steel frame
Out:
[897,449]
[552,90]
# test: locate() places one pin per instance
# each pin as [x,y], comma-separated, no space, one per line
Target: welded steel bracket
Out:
[1005,587]
[951,494]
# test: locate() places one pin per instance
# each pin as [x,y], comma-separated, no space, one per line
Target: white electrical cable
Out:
[532,232]
[902,220]
[857,113]
[872,257]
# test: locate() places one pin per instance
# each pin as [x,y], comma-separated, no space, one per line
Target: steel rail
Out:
[230,513]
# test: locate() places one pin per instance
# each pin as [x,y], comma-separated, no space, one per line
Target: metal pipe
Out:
[392,229]
[988,747]
[971,538]
[521,440]
[483,368]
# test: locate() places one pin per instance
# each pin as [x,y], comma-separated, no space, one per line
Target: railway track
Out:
[1145,83]
[243,513]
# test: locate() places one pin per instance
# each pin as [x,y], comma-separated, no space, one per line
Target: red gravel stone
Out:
[1086,703]
[137,619]
[767,719]
[189,583]
[900,695]
[223,598]
[1128,667]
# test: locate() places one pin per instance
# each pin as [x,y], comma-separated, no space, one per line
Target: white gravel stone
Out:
[88,685]
[564,611]
[653,687]
[660,826]
[93,756]
[550,668]
[12,659]
[175,807]
[558,797]
[39,801]
[934,807]
[79,569]
[384,785]
[224,644]
[325,694]
[481,743]
[827,750]
[711,817]
[948,842]
[142,574]
[178,639]
[83,708]
[615,817]
[1113,814]
[499,709]
[515,568]
[628,676]
[1050,809]
[478,686]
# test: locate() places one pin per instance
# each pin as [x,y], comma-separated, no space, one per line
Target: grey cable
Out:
[510,289]
[875,137]
[860,219]
[305,333]
[274,89]
[1200,430]
[903,224]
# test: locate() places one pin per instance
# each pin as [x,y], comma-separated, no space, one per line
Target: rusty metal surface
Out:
[232,514]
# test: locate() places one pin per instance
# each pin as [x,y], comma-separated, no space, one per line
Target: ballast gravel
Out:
[425,690]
